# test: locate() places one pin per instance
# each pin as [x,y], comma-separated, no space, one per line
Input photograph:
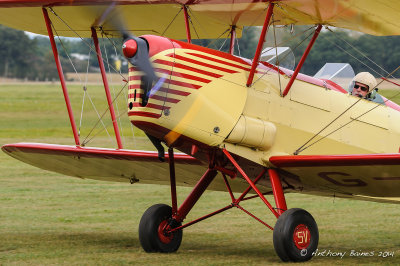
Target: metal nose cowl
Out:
[129,48]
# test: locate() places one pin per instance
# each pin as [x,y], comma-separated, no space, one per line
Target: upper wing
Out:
[366,175]
[210,18]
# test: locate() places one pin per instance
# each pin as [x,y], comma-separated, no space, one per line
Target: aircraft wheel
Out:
[295,235]
[152,235]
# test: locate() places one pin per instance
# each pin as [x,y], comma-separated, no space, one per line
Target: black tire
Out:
[150,236]
[299,247]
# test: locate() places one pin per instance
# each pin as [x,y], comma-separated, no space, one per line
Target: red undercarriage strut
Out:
[179,214]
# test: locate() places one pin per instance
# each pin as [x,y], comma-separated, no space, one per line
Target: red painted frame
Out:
[195,195]
[251,183]
[302,60]
[61,75]
[172,180]
[189,36]
[279,197]
[233,38]
[107,88]
[208,177]
[179,214]
[260,44]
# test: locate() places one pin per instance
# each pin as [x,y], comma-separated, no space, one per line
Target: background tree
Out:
[16,53]
[362,51]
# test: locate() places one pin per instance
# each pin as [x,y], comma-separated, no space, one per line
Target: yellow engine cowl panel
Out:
[208,114]
[253,132]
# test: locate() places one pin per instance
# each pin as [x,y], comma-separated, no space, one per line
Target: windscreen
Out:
[279,56]
[340,73]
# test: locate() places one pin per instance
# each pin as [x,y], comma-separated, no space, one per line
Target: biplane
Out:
[246,126]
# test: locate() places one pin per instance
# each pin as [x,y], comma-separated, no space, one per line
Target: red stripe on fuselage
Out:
[183,75]
[145,114]
[204,64]
[219,61]
[166,99]
[136,77]
[183,84]
[134,86]
[157,97]
[151,106]
[176,92]
[156,106]
[178,65]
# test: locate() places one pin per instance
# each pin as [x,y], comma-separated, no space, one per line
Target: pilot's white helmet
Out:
[367,79]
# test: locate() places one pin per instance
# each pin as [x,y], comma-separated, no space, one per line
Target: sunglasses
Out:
[361,87]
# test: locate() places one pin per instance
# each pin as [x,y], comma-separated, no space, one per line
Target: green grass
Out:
[39,111]
[46,218]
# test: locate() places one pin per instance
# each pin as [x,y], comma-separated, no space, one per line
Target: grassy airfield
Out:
[46,218]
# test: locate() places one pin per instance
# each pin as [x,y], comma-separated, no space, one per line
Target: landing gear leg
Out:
[160,229]
[296,233]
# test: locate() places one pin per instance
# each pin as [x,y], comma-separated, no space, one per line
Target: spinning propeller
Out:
[135,49]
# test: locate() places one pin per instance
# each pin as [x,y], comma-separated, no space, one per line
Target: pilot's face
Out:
[360,90]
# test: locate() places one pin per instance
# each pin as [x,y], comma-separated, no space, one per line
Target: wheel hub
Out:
[164,237]
[301,236]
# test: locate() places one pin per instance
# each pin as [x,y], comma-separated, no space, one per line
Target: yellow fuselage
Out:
[204,100]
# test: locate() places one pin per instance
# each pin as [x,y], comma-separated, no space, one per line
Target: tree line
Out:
[24,57]
[379,55]
[29,58]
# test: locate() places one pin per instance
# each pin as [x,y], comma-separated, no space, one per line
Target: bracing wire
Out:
[223,44]
[172,21]
[87,92]
[84,93]
[80,37]
[86,141]
[85,87]
[305,146]
[125,94]
[100,119]
[98,115]
[191,15]
[191,22]
[277,63]
[218,38]
[357,59]
[308,36]
[66,52]
[237,43]
[360,52]
[83,104]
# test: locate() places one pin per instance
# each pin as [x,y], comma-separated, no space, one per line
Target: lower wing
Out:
[373,177]
[105,164]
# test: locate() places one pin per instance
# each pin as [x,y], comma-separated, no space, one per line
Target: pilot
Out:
[362,84]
